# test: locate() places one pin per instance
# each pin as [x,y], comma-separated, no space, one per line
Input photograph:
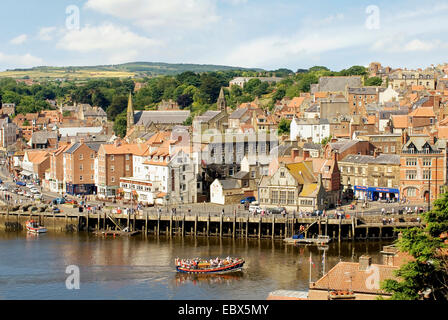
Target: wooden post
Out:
[273,227]
[234,227]
[208,225]
[259,228]
[158,224]
[134,227]
[286,227]
[353,229]
[320,233]
[183,225]
[339,233]
[247,227]
[367,232]
[171,224]
[87,226]
[196,225]
[146,223]
[98,225]
[220,226]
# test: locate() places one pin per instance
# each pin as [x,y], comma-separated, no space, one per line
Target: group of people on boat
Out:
[212,263]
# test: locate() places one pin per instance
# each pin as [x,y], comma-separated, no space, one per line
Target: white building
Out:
[316,129]
[388,95]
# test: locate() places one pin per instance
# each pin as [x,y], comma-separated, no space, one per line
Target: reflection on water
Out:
[33,267]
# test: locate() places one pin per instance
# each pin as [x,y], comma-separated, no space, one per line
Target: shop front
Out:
[361,193]
[383,194]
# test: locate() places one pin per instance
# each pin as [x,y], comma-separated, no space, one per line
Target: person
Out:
[383,211]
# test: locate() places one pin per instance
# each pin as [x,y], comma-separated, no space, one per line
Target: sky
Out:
[293,34]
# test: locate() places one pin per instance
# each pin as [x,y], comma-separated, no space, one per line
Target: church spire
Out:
[130,113]
[222,103]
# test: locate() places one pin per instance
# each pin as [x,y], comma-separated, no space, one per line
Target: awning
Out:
[26,173]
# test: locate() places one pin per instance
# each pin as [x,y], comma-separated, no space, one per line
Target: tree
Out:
[118,105]
[121,124]
[373,81]
[427,274]
[326,140]
[284,127]
[184,101]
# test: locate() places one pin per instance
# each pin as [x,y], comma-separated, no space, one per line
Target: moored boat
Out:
[34,227]
[216,266]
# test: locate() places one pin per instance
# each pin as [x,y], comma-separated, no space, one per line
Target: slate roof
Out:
[337,84]
[41,137]
[145,118]
[237,114]
[230,184]
[391,159]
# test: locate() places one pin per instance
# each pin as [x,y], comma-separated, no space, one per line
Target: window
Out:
[386,149]
[81,157]
[282,174]
[81,167]
[426,174]
[389,183]
[80,178]
[127,167]
[112,158]
[291,197]
[274,197]
[112,168]
[389,169]
[427,162]
[392,149]
[375,182]
[282,197]
[92,156]
[127,157]
[411,174]
[411,161]
[112,179]
[411,192]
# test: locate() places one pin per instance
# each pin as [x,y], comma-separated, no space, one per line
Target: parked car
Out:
[59,201]
[34,190]
[255,209]
[71,202]
[248,200]
[56,210]
[276,210]
[21,184]
[3,188]
[38,197]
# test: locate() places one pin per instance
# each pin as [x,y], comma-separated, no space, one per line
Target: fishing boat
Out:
[216,266]
[34,227]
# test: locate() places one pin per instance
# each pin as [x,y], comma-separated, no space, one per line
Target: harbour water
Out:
[34,267]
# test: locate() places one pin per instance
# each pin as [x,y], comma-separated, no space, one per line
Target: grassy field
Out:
[127,70]
[64,74]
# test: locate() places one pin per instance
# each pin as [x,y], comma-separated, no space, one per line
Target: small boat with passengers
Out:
[34,227]
[215,266]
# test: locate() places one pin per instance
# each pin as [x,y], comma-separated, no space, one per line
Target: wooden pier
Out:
[181,225]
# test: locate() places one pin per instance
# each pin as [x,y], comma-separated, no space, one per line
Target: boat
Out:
[217,266]
[33,226]
[320,240]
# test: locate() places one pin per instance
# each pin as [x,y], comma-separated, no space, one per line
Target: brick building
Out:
[423,171]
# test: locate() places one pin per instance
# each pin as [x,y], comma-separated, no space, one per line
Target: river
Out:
[34,267]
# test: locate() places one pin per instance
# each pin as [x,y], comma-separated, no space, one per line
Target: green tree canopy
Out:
[427,274]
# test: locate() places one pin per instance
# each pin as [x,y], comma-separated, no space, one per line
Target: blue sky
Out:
[248,33]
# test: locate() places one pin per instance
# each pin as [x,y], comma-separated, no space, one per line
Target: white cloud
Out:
[19,61]
[19,39]
[46,33]
[117,44]
[153,13]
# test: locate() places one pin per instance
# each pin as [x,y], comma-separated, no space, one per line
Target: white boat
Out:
[33,226]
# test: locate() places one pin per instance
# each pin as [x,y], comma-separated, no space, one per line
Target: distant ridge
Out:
[136,69]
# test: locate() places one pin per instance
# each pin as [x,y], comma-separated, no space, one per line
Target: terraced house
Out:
[371,177]
[423,173]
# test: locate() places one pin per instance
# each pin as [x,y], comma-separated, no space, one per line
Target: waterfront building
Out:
[423,171]
[371,177]
[79,168]
[293,186]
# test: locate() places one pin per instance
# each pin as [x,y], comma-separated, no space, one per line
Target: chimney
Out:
[294,153]
[364,262]
[82,141]
[306,155]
